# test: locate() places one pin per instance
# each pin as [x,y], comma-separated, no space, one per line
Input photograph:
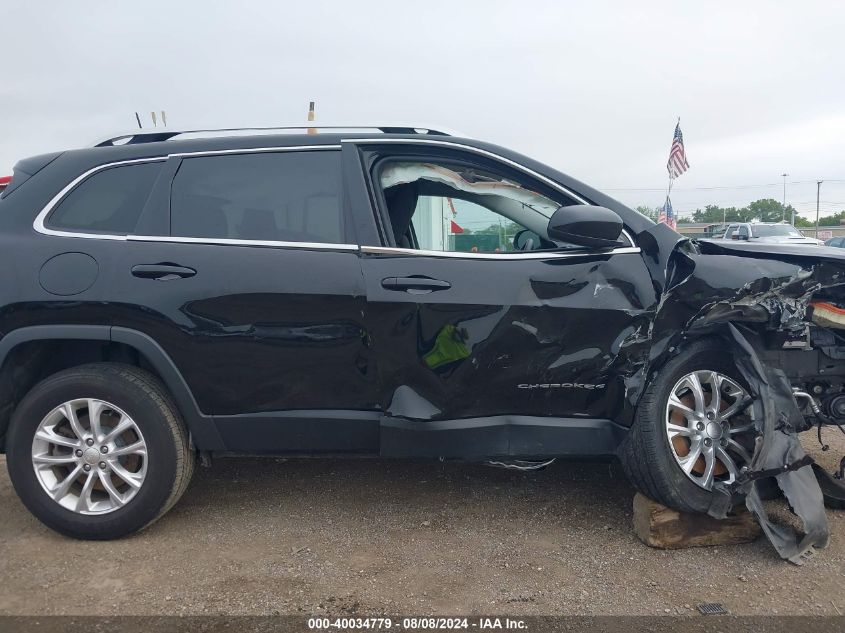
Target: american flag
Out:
[677,156]
[667,215]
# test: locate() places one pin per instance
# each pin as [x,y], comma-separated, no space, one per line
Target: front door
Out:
[490,339]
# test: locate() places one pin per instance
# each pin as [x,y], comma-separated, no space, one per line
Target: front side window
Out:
[108,202]
[274,196]
[443,206]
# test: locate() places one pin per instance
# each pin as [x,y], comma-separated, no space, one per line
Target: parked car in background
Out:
[835,242]
[715,231]
[768,233]
[4,181]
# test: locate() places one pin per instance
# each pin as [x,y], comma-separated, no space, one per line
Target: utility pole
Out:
[783,219]
[818,191]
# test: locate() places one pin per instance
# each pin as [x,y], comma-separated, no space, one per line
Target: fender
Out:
[203,431]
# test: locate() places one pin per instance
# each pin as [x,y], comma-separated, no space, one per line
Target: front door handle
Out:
[415,285]
[162,272]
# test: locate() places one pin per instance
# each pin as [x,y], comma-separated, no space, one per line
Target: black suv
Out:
[395,292]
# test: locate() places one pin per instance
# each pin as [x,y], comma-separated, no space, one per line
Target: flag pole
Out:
[672,180]
[667,202]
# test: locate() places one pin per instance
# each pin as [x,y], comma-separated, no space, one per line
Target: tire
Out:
[646,453]
[167,461]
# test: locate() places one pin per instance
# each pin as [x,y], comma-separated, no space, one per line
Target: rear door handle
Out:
[415,285]
[162,272]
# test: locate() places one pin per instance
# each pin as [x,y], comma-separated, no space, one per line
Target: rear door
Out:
[256,293]
[490,340]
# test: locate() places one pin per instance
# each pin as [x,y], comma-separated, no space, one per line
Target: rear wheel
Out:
[98,451]
[693,428]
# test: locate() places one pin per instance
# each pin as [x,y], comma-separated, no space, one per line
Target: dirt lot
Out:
[265,536]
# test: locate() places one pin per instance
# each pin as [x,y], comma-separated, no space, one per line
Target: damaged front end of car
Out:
[779,312]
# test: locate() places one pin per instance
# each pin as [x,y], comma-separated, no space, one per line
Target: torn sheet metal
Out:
[778,452]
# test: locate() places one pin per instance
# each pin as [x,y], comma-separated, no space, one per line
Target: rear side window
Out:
[277,197]
[108,202]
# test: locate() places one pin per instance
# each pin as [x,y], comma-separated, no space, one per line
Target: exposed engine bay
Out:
[820,374]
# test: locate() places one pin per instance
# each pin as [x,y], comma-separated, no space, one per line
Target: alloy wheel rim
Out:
[89,456]
[709,431]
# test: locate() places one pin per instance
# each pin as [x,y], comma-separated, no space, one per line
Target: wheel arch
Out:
[203,432]
[647,452]
[714,335]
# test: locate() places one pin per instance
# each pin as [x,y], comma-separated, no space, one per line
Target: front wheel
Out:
[98,451]
[693,428]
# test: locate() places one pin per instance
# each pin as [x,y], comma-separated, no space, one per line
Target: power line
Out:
[712,188]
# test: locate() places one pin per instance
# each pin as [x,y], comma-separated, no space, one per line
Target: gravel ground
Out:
[267,536]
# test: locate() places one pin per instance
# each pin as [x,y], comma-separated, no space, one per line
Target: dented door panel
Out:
[509,336]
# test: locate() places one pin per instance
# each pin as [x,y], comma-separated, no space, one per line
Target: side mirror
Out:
[586,225]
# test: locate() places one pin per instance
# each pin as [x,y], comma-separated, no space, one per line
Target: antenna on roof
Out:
[311,114]
[164,118]
[138,119]
[155,123]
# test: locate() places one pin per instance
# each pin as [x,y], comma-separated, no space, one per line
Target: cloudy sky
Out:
[592,88]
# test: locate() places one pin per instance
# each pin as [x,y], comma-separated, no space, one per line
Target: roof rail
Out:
[141,136]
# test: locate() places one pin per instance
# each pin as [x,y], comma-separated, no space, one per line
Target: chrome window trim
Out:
[389,250]
[488,154]
[223,241]
[39,224]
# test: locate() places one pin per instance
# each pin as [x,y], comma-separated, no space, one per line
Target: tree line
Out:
[764,210]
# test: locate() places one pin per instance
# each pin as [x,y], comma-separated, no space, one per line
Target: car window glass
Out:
[457,208]
[273,196]
[436,225]
[743,231]
[110,201]
[774,230]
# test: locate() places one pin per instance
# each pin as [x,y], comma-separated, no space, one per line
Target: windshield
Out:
[774,230]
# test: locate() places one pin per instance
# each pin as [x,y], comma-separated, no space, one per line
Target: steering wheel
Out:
[525,240]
